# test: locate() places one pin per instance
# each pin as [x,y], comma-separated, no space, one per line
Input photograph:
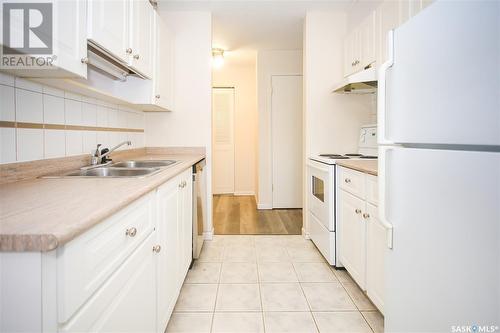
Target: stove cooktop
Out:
[346,156]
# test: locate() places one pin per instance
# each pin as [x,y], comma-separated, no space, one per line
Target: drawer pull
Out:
[358,211]
[366,215]
[347,180]
[156,249]
[131,232]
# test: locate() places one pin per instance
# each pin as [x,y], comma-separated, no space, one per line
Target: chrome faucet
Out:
[97,157]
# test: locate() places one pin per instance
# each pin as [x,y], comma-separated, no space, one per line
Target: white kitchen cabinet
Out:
[108,27]
[174,203]
[69,43]
[163,94]
[376,245]
[359,46]
[142,37]
[353,237]
[362,236]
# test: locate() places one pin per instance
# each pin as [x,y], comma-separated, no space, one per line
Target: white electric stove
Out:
[322,198]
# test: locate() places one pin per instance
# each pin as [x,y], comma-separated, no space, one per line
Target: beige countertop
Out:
[42,214]
[366,166]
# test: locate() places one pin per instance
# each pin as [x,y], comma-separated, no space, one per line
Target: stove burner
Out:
[353,155]
[369,157]
[334,156]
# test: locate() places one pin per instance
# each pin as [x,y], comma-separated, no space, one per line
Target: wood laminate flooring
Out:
[238,215]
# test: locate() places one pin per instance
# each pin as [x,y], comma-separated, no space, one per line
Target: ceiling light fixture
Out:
[217,58]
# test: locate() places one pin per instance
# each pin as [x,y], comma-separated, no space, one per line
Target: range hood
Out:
[364,82]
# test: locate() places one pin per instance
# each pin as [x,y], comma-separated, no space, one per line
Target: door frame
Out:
[271,144]
[232,125]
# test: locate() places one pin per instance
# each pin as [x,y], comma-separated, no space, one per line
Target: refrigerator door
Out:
[444,84]
[443,269]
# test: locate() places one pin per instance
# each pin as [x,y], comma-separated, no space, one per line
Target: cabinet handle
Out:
[157,96]
[131,232]
[358,211]
[352,64]
[156,249]
[85,60]
[136,56]
[366,215]
[347,180]
[129,50]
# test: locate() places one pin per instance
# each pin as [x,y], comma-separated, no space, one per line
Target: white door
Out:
[286,133]
[223,140]
[443,269]
[108,26]
[142,37]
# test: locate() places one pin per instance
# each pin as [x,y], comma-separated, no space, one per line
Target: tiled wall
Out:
[39,122]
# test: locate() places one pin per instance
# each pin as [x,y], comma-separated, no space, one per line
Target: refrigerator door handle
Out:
[382,193]
[381,95]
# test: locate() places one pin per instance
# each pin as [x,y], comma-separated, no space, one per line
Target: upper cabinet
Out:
[142,37]
[69,44]
[125,30]
[359,47]
[164,66]
[108,27]
[367,44]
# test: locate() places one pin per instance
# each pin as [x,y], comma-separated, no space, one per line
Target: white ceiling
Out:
[257,24]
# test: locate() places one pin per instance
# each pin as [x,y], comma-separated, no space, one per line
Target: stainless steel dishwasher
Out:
[199,206]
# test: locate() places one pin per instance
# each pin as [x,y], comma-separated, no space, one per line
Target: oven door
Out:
[320,192]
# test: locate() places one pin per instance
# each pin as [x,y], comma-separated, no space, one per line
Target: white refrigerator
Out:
[439,169]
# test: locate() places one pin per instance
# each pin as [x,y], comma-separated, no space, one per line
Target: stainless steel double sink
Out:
[124,169]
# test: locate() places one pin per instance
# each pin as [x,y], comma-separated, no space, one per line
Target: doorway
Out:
[286,137]
[223,140]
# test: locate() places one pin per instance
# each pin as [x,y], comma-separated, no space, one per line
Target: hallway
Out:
[238,215]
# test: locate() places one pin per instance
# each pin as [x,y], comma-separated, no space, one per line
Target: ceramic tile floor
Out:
[270,284]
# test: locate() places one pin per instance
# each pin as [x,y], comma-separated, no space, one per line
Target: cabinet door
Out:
[349,54]
[70,37]
[387,18]
[376,246]
[353,237]
[108,25]
[168,258]
[367,41]
[185,225]
[142,37]
[164,65]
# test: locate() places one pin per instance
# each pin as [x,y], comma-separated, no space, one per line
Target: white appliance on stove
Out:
[321,193]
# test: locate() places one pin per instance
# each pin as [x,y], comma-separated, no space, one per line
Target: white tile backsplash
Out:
[7,106]
[22,100]
[53,110]
[55,143]
[7,145]
[29,106]
[74,143]
[73,112]
[29,144]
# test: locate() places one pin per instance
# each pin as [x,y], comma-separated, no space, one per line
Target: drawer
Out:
[352,181]
[322,238]
[372,189]
[86,262]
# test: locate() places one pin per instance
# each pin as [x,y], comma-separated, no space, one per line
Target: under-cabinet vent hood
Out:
[364,82]
[106,64]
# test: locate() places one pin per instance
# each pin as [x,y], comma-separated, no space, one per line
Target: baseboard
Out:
[264,206]
[244,193]
[305,234]
[208,235]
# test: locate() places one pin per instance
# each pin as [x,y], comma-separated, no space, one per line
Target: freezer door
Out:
[444,84]
[443,269]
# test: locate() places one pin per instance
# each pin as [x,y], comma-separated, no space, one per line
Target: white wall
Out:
[243,78]
[286,62]
[190,122]
[332,121]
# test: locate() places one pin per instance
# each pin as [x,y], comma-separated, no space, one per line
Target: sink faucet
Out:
[97,157]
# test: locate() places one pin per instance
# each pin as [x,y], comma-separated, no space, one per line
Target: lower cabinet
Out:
[122,275]
[362,236]
[174,201]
